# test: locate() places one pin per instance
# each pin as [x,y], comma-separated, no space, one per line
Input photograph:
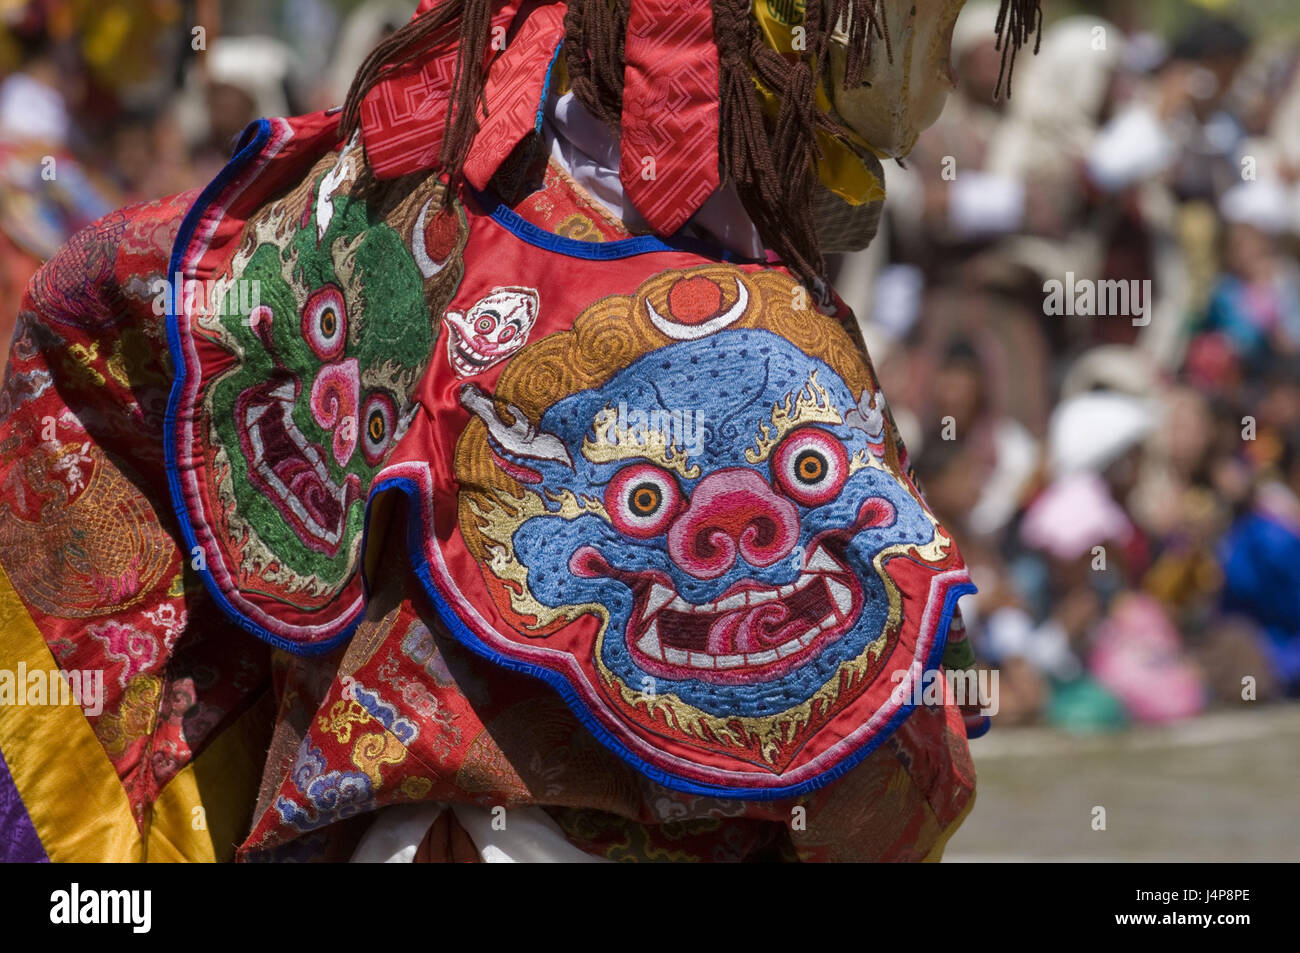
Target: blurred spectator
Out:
[45,193]
[94,113]
[240,79]
[1261,565]
[365,26]
[1125,493]
[1256,300]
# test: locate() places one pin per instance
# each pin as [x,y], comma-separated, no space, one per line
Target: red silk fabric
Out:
[669,150]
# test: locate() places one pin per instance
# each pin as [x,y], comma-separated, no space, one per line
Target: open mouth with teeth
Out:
[289,469]
[752,632]
[467,362]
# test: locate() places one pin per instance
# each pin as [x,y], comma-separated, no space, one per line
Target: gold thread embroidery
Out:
[811,404]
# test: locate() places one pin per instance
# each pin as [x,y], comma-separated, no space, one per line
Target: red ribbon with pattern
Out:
[669,150]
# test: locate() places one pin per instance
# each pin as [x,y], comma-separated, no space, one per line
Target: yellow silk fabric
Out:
[72,792]
[840,169]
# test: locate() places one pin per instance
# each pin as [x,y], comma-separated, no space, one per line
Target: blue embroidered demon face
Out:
[720,501]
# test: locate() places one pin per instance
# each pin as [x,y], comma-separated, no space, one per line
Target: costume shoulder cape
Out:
[663,482]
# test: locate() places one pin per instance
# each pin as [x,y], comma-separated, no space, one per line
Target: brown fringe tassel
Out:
[1017,19]
[866,21]
[771,163]
[468,20]
[753,157]
[595,33]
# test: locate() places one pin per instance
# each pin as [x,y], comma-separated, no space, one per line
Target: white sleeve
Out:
[501,835]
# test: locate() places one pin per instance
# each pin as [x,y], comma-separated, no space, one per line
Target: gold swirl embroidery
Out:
[579,227]
[96,555]
[77,365]
[134,717]
[343,714]
[377,749]
[417,789]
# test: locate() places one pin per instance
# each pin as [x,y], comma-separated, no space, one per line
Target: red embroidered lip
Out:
[289,469]
[467,361]
[751,633]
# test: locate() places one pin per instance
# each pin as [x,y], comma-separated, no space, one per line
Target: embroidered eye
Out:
[645,499]
[507,333]
[486,322]
[810,466]
[379,418]
[642,500]
[325,322]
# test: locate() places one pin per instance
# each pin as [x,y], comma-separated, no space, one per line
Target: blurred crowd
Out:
[1125,487]
[103,104]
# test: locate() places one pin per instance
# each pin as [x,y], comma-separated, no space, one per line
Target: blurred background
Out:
[1127,493]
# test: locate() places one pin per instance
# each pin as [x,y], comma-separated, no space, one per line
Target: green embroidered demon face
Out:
[324,367]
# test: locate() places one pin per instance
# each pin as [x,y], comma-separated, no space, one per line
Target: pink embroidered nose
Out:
[732,512]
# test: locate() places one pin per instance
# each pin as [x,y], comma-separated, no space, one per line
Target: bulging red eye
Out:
[642,500]
[810,466]
[325,322]
[507,333]
[378,421]
[484,325]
